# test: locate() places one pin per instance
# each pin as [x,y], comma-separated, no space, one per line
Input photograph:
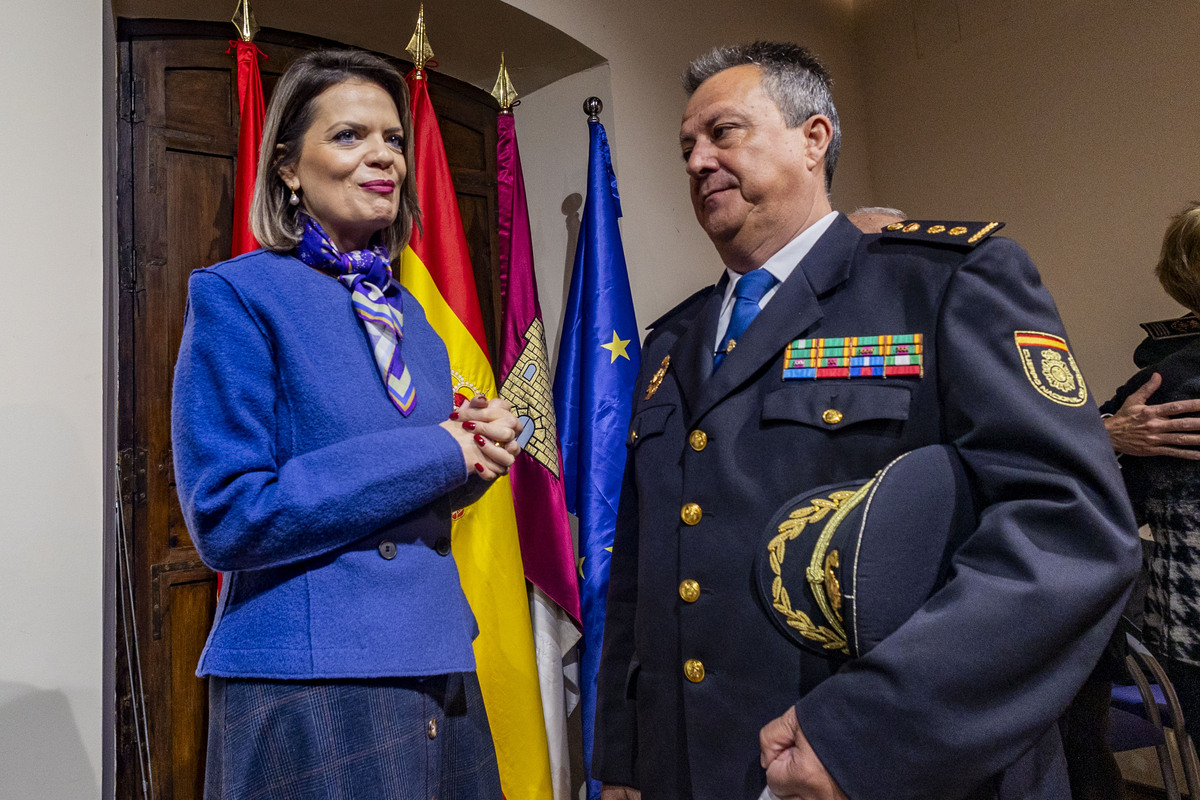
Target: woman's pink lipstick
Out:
[383,187]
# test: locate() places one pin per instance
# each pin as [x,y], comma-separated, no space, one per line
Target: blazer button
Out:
[387,550]
[698,440]
[431,729]
[832,416]
[690,514]
[693,670]
[689,590]
[442,545]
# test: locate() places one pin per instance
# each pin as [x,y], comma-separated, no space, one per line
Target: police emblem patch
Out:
[1051,368]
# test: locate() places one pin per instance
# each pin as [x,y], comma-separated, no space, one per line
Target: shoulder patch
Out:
[684,306]
[958,234]
[1051,368]
[1187,325]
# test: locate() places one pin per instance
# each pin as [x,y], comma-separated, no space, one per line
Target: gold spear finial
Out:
[418,45]
[504,91]
[243,20]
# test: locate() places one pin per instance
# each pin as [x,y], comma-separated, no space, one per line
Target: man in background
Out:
[874,219]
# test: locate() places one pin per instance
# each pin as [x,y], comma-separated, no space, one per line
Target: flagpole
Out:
[436,269]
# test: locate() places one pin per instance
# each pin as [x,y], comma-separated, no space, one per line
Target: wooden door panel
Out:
[177,159]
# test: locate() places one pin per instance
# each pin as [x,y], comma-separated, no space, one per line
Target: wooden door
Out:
[177,156]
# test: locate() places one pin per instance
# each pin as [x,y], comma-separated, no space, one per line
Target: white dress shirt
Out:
[786,259]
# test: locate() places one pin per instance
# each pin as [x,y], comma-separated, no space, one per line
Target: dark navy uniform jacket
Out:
[972,684]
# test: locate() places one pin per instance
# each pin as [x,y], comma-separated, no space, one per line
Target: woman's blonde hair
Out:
[273,220]
[1178,267]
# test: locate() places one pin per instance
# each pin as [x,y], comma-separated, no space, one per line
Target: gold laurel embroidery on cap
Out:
[957,230]
[1055,374]
[912,226]
[895,226]
[816,572]
[819,508]
[657,380]
[936,228]
[984,231]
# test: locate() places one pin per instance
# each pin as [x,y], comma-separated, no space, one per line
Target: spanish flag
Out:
[436,268]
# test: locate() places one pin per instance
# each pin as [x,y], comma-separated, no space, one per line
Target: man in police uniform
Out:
[958,343]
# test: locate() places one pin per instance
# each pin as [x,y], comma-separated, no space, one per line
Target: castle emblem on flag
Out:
[1051,368]
[529,390]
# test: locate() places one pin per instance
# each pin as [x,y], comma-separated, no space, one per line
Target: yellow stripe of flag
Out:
[487,552]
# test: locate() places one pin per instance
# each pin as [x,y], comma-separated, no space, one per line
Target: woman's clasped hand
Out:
[487,432]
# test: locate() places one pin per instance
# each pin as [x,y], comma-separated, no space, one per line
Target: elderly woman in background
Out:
[316,467]
[1165,489]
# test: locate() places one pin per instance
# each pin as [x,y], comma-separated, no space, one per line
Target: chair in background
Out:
[1152,699]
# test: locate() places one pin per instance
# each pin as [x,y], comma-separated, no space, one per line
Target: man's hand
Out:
[619,793]
[793,769]
[1138,429]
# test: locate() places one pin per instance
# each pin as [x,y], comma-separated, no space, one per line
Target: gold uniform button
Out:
[832,416]
[689,590]
[698,440]
[431,729]
[690,514]
[693,670]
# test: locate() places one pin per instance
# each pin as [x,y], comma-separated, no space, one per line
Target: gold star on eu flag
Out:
[617,348]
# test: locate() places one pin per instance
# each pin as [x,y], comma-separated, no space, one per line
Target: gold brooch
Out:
[657,380]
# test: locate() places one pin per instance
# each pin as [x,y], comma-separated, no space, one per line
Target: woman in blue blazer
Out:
[317,469]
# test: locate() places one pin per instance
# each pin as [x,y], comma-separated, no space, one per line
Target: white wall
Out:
[52,197]
[648,45]
[552,132]
[1073,120]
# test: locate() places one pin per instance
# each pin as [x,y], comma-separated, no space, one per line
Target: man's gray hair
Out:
[792,77]
[879,211]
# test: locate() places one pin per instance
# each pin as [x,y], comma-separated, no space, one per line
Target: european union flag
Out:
[598,361]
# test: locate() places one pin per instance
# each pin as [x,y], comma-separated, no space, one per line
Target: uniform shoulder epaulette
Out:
[958,234]
[683,306]
[1187,325]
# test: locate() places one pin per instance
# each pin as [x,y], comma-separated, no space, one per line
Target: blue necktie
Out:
[746,296]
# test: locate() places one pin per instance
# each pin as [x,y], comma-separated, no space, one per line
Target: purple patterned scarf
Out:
[368,276]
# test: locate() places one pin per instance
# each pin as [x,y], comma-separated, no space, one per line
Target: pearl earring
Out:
[294,200]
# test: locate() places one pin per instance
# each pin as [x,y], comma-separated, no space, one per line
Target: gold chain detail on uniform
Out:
[816,571]
[657,380]
[791,528]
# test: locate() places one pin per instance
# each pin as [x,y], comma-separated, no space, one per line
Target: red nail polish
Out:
[453,415]
[481,397]
[479,467]
[479,440]
[469,425]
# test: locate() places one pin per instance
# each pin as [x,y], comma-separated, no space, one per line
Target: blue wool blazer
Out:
[325,507]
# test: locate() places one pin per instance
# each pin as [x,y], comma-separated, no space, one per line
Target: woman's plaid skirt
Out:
[380,739]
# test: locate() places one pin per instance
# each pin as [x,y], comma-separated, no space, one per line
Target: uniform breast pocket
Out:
[648,423]
[835,406]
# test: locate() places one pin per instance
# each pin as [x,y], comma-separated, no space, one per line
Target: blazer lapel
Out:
[793,309]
